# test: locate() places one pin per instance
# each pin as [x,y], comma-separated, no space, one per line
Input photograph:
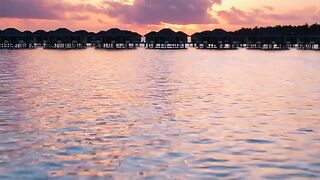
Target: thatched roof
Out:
[180,33]
[61,32]
[213,33]
[81,33]
[152,33]
[27,33]
[219,32]
[100,33]
[11,32]
[40,32]
[115,32]
[167,33]
[136,34]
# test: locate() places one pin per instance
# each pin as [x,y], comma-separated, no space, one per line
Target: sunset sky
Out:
[146,15]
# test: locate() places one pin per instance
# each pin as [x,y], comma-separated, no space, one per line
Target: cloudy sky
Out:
[146,15]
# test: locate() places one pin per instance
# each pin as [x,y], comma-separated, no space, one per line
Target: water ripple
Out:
[146,114]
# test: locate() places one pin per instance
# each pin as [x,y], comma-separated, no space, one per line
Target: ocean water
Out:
[152,114]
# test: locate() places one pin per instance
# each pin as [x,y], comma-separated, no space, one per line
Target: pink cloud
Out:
[41,9]
[27,9]
[167,11]
[267,16]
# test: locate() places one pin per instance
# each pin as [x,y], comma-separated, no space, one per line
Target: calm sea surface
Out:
[189,114]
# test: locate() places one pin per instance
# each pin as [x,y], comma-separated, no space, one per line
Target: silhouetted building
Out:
[216,39]
[64,39]
[279,37]
[166,39]
[14,39]
[40,37]
[117,39]
[267,41]
[82,37]
[310,41]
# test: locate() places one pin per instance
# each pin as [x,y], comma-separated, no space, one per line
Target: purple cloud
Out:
[266,16]
[41,9]
[168,11]
[27,9]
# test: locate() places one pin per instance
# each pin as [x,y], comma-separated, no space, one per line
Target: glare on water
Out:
[159,114]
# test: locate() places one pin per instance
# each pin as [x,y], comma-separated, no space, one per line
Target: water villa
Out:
[166,39]
[64,39]
[39,36]
[117,39]
[264,40]
[216,39]
[14,39]
[280,37]
[267,42]
[311,42]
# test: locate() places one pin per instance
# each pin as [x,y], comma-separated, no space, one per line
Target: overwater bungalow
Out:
[14,39]
[216,39]
[63,39]
[117,39]
[166,39]
[280,37]
[309,42]
[40,37]
[82,37]
[28,39]
[268,41]
[91,38]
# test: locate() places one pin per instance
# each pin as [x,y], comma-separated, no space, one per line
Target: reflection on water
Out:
[159,114]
